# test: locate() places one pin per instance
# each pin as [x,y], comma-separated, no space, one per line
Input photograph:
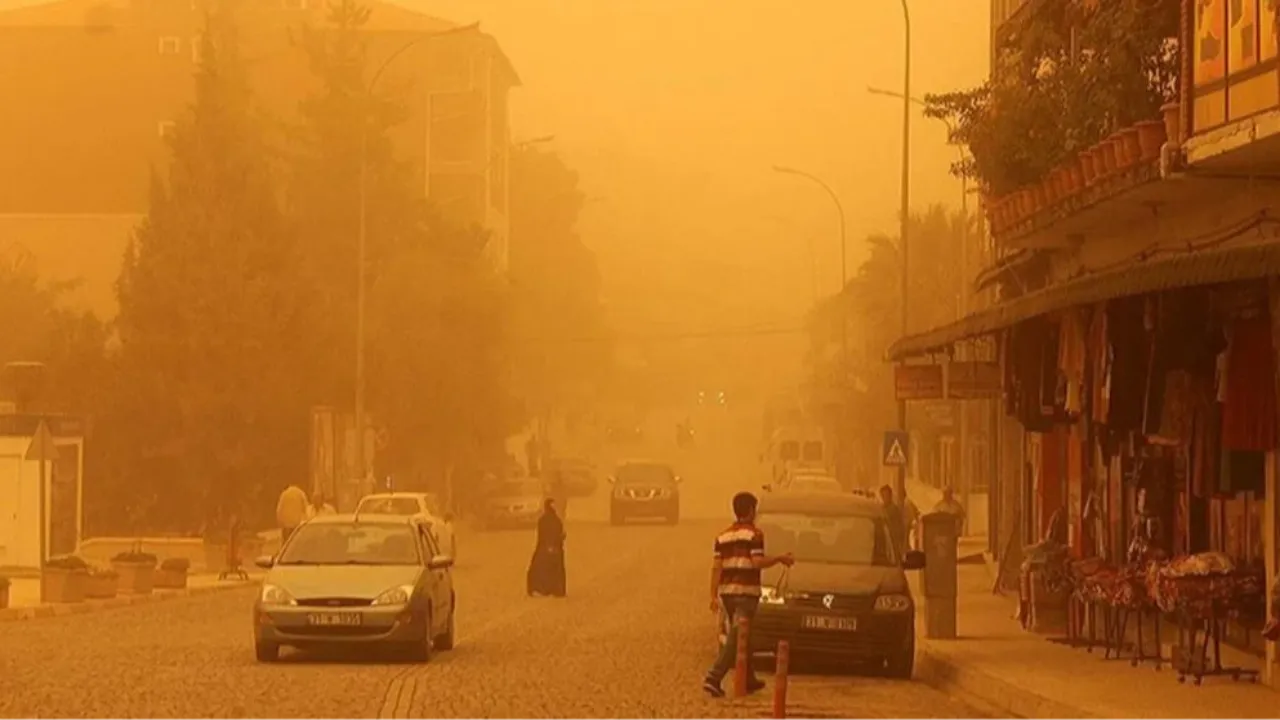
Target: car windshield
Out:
[389,506]
[815,484]
[351,543]
[522,488]
[645,475]
[839,540]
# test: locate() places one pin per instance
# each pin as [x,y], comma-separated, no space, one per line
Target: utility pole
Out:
[905,220]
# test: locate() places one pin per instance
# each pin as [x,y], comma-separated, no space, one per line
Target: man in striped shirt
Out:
[735,584]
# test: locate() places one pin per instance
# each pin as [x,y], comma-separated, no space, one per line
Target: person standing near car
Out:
[291,511]
[735,584]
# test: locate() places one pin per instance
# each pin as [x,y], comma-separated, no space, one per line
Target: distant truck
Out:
[793,447]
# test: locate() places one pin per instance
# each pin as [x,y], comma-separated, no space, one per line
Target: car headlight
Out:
[276,595]
[771,596]
[893,603]
[395,596]
[664,493]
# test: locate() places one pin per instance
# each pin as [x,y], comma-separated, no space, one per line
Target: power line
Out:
[665,337]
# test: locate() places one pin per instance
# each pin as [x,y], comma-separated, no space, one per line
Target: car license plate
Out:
[827,622]
[333,619]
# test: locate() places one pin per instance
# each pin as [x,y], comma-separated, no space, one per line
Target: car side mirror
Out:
[264,561]
[440,562]
[914,560]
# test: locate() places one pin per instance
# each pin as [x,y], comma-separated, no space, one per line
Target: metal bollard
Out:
[742,668]
[781,669]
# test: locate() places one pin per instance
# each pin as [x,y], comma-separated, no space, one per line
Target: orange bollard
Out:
[782,667]
[742,668]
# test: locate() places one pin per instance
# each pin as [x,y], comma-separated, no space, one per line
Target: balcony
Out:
[1081,113]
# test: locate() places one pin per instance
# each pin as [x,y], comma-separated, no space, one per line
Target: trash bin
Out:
[939,581]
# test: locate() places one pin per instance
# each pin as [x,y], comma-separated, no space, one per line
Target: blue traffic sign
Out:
[896,444]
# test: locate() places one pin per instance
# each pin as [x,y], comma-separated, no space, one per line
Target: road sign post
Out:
[894,449]
[43,450]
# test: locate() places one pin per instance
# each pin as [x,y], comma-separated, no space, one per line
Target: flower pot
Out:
[136,578]
[1151,137]
[1106,151]
[1088,172]
[100,587]
[1073,177]
[1128,151]
[58,585]
[171,579]
[1172,122]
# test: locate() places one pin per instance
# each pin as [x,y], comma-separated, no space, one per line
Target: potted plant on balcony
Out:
[136,570]
[102,583]
[172,574]
[62,579]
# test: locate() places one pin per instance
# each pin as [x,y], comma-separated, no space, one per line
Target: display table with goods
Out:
[1082,628]
[1045,588]
[1203,591]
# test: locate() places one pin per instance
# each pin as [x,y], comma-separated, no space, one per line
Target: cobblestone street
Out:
[631,640]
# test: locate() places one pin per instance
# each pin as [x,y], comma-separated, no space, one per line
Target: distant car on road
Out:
[515,502]
[426,505]
[846,598]
[644,489]
[356,580]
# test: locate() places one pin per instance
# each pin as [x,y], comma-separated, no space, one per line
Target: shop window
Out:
[979,464]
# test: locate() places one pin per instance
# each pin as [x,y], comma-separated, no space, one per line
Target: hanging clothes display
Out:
[1032,372]
[1249,398]
[1071,360]
[1127,336]
[1099,348]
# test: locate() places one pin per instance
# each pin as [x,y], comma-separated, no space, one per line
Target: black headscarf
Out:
[550,527]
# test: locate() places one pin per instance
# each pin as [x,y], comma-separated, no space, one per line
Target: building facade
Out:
[1136,329]
[94,87]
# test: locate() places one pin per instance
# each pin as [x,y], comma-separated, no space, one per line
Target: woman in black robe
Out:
[546,574]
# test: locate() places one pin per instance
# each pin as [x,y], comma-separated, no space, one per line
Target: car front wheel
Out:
[266,652]
[901,664]
[421,650]
[444,641]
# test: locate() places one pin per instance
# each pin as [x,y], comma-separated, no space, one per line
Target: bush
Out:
[67,562]
[135,556]
[175,565]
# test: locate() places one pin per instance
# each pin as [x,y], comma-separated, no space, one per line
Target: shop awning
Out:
[1207,267]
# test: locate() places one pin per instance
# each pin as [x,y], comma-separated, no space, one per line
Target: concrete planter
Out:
[171,578]
[136,578]
[4,594]
[101,586]
[60,585]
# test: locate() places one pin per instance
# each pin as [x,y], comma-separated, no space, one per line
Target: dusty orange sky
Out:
[674,111]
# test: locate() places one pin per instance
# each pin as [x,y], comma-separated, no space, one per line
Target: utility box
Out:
[939,581]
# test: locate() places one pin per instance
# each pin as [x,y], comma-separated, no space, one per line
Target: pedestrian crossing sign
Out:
[895,448]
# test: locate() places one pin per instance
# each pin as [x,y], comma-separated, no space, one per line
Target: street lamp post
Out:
[905,220]
[362,242]
[844,253]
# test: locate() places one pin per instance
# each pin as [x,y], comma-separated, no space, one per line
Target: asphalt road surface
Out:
[632,640]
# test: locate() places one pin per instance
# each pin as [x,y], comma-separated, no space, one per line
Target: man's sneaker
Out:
[754,685]
[712,688]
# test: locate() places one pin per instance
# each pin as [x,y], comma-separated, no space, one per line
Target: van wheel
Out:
[421,650]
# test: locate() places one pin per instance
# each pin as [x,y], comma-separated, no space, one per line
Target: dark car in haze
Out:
[846,598]
[644,489]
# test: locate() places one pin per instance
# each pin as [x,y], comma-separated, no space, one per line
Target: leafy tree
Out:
[436,309]
[564,355]
[209,316]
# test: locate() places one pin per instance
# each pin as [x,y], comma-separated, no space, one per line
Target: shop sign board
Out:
[918,382]
[973,380]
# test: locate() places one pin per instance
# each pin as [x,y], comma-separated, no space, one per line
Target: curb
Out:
[50,610]
[936,669]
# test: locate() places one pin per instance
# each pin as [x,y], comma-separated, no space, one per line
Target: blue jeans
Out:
[735,606]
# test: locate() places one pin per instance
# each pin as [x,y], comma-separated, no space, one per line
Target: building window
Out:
[170,45]
[165,129]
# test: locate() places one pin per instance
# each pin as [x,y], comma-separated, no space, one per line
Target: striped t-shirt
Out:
[736,549]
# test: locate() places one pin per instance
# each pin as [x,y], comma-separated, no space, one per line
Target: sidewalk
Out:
[1025,675]
[24,597]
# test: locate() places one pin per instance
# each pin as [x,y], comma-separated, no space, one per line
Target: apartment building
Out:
[92,86]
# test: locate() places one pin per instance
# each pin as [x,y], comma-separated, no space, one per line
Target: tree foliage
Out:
[564,356]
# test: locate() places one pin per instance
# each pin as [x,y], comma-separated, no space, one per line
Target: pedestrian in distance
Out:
[291,511]
[735,585]
[546,575]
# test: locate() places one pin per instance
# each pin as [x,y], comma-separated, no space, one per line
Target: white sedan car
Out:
[425,505]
